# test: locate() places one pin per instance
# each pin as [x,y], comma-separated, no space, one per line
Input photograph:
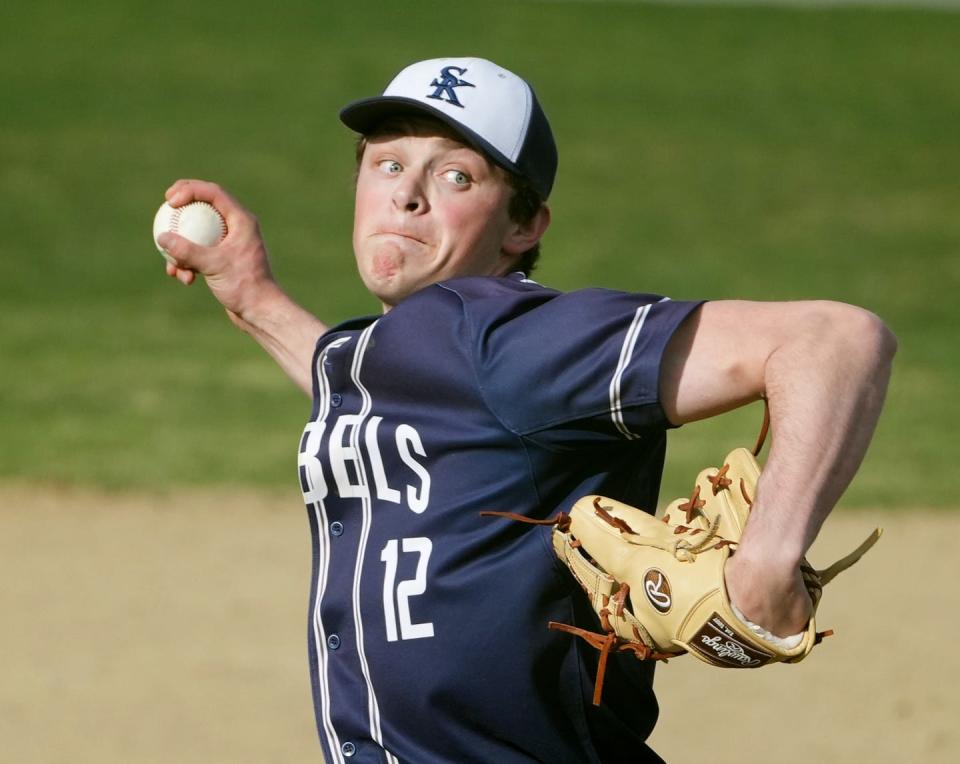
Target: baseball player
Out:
[478,389]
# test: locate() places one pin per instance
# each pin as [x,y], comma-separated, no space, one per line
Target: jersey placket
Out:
[342,524]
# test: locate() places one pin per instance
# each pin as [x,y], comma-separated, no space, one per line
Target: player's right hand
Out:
[237,270]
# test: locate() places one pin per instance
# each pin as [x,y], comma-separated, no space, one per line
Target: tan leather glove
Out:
[658,585]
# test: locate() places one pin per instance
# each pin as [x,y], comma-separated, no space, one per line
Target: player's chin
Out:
[397,290]
[392,278]
[387,265]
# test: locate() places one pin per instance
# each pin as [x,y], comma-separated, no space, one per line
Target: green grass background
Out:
[705,152]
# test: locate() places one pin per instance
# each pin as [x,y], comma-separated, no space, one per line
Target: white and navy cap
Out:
[492,108]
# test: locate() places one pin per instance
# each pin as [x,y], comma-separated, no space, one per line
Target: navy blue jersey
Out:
[428,638]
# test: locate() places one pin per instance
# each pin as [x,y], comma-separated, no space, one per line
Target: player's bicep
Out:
[716,359]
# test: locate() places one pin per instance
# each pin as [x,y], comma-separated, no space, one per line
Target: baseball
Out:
[198,221]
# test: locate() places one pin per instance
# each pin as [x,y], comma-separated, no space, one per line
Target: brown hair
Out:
[523,206]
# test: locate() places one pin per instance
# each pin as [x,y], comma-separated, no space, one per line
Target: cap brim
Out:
[365,115]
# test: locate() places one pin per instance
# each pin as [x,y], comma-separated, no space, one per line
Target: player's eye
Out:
[457,177]
[390,166]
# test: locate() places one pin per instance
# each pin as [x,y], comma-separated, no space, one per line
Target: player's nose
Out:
[409,196]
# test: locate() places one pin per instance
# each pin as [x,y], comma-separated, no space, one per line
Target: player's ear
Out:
[523,236]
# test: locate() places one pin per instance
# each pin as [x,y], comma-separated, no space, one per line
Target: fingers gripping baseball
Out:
[237,268]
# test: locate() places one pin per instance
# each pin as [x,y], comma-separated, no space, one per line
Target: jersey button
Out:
[336,528]
[348,748]
[336,399]
[333,641]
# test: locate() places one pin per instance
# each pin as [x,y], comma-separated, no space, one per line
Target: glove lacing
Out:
[685,548]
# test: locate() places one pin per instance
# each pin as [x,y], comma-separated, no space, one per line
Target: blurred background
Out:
[153,550]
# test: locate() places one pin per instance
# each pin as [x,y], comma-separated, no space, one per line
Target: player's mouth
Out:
[402,235]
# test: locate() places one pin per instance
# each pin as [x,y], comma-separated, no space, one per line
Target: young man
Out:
[478,389]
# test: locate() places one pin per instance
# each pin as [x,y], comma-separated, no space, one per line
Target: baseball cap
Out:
[492,108]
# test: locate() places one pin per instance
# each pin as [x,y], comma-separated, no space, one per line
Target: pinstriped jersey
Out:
[428,638]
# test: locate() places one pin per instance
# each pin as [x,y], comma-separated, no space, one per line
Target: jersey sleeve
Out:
[586,361]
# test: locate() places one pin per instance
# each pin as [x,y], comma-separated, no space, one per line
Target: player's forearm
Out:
[286,331]
[237,272]
[825,389]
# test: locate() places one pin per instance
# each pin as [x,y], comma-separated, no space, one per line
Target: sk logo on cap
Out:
[446,83]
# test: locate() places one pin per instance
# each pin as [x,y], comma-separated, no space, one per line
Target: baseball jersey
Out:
[428,638]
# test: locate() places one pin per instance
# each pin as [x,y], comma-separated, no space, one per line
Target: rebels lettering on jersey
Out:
[428,638]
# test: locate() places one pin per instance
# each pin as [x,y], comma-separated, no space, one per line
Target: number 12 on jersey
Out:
[402,591]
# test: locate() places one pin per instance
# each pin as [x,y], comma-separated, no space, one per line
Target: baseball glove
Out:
[658,585]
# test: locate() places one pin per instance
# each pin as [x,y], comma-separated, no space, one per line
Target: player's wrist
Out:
[773,541]
[762,554]
[263,303]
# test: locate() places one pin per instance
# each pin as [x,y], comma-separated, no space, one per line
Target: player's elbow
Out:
[857,333]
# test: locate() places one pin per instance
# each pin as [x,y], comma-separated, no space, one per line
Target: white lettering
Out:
[413,588]
[729,649]
[406,437]
[342,454]
[405,589]
[312,481]
[346,453]
[389,555]
[384,491]
[658,597]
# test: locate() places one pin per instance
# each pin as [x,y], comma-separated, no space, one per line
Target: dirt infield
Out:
[172,629]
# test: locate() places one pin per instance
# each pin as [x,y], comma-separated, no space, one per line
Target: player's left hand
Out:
[770,595]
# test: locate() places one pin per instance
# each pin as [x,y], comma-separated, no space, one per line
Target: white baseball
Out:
[198,221]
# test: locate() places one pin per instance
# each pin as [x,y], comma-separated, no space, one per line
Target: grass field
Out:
[760,153]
